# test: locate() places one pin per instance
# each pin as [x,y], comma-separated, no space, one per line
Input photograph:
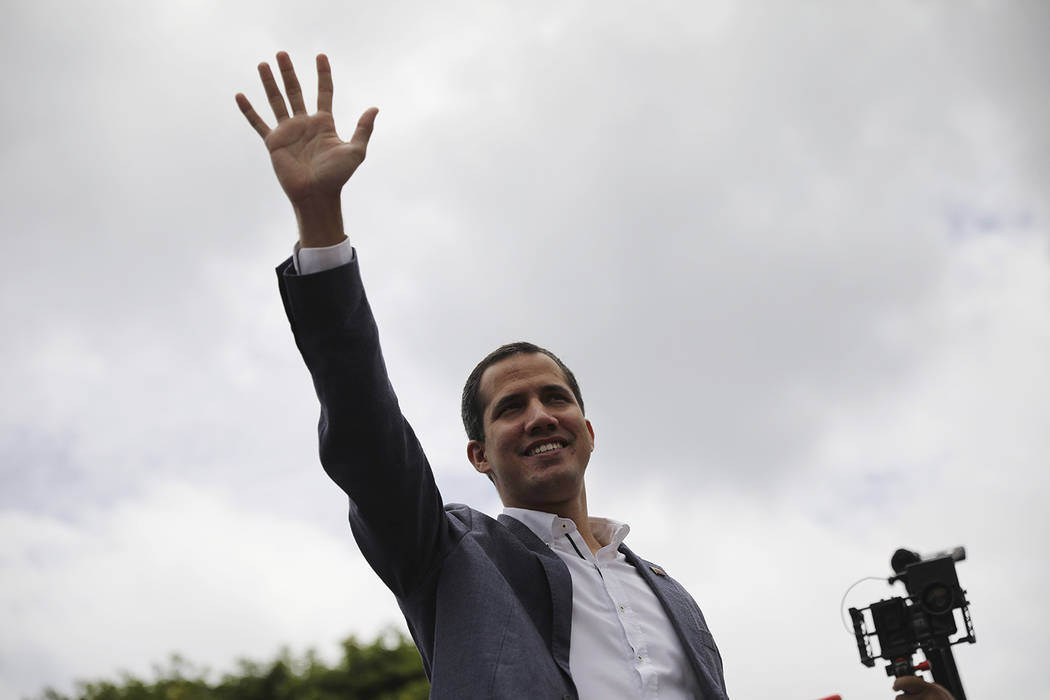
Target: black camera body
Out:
[925,619]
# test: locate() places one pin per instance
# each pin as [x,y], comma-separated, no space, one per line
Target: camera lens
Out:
[937,599]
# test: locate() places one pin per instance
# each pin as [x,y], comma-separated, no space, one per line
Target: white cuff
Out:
[310,260]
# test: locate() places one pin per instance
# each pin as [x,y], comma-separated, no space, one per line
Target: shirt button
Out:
[621,608]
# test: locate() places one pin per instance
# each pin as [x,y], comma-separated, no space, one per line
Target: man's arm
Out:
[366,445]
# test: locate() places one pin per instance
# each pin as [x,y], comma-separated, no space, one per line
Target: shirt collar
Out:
[548,526]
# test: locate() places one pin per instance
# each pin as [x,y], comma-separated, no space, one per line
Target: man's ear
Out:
[590,429]
[476,455]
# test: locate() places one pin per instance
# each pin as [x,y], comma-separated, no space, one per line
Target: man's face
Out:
[537,442]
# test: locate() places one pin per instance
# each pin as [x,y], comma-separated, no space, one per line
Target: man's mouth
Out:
[544,447]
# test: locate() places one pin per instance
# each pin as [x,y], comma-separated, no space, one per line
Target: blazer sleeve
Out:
[366,445]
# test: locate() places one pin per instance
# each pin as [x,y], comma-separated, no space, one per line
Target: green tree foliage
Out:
[387,669]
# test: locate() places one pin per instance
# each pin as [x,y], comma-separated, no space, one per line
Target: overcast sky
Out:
[798,255]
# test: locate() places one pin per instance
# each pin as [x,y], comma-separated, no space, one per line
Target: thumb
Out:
[363,132]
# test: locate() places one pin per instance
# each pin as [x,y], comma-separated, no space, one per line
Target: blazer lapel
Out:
[559,581]
[687,621]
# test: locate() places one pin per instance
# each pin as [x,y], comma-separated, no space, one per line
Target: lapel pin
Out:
[657,570]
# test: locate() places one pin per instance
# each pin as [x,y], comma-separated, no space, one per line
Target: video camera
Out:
[925,619]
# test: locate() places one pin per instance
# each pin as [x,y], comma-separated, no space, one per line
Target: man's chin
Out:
[553,484]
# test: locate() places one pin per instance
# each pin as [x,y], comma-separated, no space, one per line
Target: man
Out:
[546,602]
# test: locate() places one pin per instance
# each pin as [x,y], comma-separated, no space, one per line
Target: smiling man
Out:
[546,601]
[532,439]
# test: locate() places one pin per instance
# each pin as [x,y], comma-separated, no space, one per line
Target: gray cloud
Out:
[798,258]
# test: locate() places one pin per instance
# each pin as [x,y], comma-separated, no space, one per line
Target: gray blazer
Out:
[488,604]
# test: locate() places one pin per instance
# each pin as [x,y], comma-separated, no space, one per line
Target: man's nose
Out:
[539,418]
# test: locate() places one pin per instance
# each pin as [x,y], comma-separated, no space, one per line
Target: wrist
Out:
[320,221]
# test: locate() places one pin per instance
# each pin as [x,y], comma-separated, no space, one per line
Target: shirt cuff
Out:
[307,261]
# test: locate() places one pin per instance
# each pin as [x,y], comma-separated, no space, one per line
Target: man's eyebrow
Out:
[546,389]
[504,400]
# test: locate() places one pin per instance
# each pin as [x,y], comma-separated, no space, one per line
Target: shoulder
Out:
[462,516]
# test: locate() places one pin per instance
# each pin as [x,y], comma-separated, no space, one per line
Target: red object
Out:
[922,666]
[832,697]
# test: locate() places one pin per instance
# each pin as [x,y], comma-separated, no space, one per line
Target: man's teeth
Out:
[546,447]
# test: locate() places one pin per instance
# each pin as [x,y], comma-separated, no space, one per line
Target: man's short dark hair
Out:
[471,408]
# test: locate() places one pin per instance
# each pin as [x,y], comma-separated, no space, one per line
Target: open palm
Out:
[307,154]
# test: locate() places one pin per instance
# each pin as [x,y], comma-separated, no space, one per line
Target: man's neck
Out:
[583,525]
[575,510]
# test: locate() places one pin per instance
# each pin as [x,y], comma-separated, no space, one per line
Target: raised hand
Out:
[311,162]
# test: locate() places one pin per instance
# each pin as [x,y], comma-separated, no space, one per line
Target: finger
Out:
[324,84]
[273,93]
[912,687]
[910,683]
[291,83]
[249,113]
[363,132]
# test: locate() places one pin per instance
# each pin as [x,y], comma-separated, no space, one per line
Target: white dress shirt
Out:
[622,644]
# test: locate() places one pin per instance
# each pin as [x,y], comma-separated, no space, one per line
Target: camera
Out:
[925,619]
